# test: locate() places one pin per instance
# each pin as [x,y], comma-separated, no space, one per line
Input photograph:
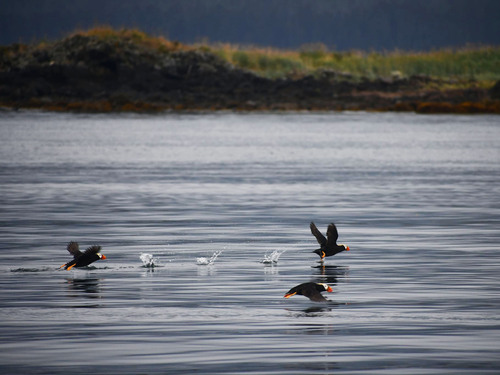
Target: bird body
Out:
[328,245]
[310,290]
[80,259]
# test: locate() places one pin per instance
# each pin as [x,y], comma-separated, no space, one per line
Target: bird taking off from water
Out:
[329,246]
[82,259]
[310,290]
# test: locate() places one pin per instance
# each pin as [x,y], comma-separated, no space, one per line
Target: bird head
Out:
[326,287]
[346,248]
[101,256]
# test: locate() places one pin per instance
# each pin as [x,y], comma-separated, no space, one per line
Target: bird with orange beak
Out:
[329,246]
[310,290]
[80,259]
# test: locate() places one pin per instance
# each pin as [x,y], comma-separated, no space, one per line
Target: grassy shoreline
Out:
[467,63]
[104,69]
[480,63]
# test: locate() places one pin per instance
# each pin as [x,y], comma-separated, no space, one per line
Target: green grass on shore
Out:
[133,36]
[462,64]
[477,63]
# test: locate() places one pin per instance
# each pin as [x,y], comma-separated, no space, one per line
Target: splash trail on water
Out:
[202,261]
[149,260]
[273,257]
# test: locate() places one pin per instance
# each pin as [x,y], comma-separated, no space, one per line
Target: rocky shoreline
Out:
[89,74]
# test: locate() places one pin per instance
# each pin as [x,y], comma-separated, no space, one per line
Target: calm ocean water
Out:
[415,197]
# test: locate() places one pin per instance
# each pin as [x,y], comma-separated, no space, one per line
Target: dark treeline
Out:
[338,24]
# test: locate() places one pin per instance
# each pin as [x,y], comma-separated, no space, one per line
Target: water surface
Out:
[415,198]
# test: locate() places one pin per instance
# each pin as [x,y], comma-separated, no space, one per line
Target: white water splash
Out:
[202,261]
[273,257]
[148,260]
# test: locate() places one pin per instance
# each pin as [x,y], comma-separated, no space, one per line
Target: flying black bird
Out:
[82,259]
[329,246]
[310,290]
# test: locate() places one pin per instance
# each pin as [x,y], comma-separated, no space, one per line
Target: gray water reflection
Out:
[415,197]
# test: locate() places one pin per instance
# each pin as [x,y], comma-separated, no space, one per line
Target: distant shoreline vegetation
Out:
[121,51]
[470,62]
[481,63]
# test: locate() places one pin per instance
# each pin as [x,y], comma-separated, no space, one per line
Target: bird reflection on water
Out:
[88,288]
[330,274]
[316,310]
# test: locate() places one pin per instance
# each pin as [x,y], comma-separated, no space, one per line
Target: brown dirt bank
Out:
[91,74]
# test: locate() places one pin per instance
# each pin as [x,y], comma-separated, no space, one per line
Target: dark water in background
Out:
[415,197]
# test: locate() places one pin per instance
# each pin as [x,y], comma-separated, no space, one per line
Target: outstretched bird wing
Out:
[314,295]
[74,249]
[332,234]
[321,239]
[93,249]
